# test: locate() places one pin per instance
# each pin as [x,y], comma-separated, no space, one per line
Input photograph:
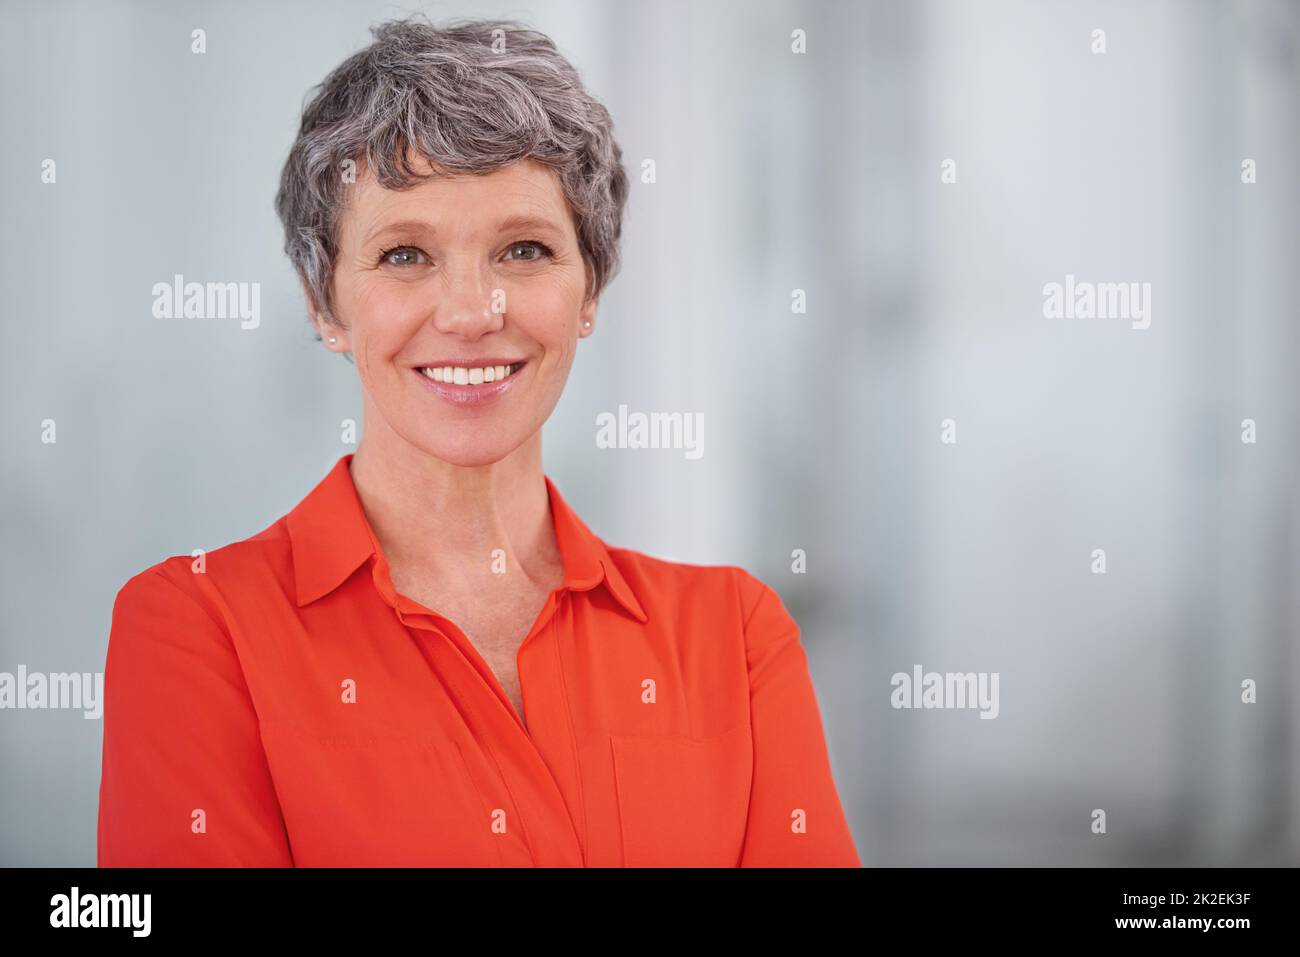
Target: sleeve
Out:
[795,815]
[185,781]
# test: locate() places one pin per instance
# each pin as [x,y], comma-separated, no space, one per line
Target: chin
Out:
[473,452]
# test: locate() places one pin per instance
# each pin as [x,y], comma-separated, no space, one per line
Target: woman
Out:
[431,660]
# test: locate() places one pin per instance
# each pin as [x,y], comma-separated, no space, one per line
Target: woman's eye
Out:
[533,250]
[403,256]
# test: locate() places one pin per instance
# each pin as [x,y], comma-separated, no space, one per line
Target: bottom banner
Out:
[332,906]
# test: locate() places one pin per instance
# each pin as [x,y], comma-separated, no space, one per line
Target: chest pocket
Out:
[683,802]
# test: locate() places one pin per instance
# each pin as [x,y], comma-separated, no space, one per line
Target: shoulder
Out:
[200,582]
[726,590]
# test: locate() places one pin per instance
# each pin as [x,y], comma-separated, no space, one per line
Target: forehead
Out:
[461,201]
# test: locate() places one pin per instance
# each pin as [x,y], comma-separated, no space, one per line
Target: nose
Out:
[467,304]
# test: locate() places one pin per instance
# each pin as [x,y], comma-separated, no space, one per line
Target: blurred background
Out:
[820,171]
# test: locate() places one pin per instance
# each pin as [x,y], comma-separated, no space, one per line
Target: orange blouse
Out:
[284,706]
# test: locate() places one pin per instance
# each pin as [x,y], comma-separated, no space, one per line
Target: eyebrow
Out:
[509,224]
[512,223]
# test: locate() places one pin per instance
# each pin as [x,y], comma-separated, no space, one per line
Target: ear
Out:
[587,315]
[326,329]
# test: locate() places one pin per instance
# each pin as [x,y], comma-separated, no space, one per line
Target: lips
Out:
[479,385]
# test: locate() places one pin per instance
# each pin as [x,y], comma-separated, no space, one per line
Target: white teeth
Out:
[464,375]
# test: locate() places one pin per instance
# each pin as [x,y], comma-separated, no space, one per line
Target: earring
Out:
[586,324]
[333,340]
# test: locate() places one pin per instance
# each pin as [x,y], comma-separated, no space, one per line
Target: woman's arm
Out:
[185,780]
[795,815]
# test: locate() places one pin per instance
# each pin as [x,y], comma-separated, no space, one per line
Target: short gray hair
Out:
[469,96]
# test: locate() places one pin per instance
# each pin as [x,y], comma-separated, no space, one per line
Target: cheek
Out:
[547,314]
[384,318]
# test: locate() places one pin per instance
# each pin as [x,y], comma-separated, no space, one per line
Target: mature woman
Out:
[431,660]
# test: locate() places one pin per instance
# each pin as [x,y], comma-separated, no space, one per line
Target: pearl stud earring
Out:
[333,340]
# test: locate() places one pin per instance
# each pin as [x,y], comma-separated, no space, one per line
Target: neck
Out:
[445,522]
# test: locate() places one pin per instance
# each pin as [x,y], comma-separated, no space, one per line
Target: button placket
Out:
[527,766]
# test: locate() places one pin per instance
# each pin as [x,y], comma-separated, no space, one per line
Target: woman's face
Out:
[476,274]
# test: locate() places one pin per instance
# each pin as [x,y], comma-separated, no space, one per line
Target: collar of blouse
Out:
[331,538]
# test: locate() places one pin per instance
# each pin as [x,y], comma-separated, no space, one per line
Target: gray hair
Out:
[469,96]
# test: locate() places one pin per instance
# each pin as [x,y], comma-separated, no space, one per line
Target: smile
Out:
[466,386]
[471,375]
